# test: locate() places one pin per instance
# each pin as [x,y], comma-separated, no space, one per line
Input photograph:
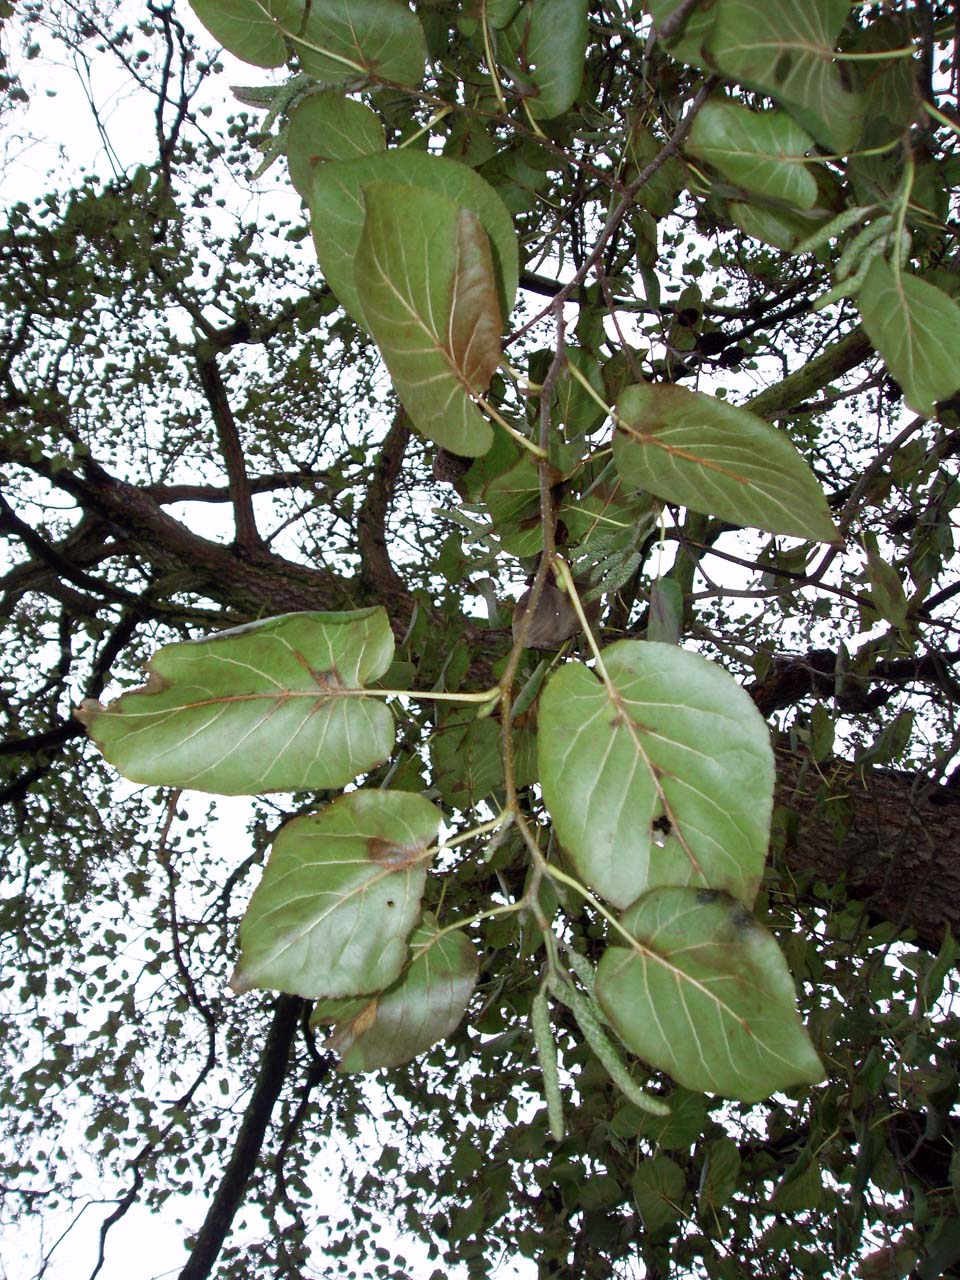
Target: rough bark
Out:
[231,450]
[251,585]
[793,678]
[893,841]
[377,570]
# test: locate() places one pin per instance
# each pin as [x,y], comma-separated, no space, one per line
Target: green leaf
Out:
[709,456]
[607,516]
[499,458]
[659,193]
[672,741]
[339,897]
[890,743]
[499,13]
[666,611]
[916,329]
[337,214]
[253,30]
[466,760]
[425,278]
[690,41]
[425,1005]
[822,732]
[942,1249]
[896,1261]
[513,500]
[273,706]
[548,43]
[762,151]
[721,1172]
[935,976]
[336,41]
[659,1187]
[704,994]
[891,89]
[680,1129]
[600,1193]
[800,1188]
[886,589]
[342,41]
[783,228]
[327,126]
[574,412]
[787,50]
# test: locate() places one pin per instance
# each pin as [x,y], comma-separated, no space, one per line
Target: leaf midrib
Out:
[287,695]
[358,67]
[642,437]
[360,888]
[436,342]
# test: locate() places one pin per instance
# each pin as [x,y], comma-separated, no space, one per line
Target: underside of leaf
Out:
[426,282]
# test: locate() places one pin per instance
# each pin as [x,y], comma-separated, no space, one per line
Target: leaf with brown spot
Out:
[425,278]
[422,1007]
[703,992]
[275,706]
[333,911]
[397,857]
[672,736]
[338,213]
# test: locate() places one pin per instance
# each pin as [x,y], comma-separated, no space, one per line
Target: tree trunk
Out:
[893,839]
[246,1150]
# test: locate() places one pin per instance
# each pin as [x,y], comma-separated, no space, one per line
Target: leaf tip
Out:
[239,982]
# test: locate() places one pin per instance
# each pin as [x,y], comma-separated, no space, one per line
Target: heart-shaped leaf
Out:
[763,151]
[916,329]
[337,213]
[704,994]
[465,753]
[341,41]
[659,1188]
[327,126]
[787,50]
[336,41]
[424,1006]
[339,897]
[253,30]
[274,706]
[712,457]
[663,776]
[513,500]
[548,43]
[426,283]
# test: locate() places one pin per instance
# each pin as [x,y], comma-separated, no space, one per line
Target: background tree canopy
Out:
[572,469]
